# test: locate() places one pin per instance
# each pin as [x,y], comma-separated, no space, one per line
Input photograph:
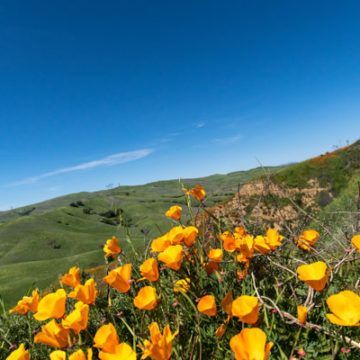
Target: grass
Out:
[40,246]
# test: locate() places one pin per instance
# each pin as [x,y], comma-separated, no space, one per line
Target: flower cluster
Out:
[183,283]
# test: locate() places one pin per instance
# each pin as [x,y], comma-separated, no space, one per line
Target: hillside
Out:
[325,188]
[41,241]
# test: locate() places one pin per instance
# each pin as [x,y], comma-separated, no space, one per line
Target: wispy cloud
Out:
[228,140]
[110,160]
[200,125]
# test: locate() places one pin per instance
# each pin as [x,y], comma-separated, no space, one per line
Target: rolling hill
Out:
[41,241]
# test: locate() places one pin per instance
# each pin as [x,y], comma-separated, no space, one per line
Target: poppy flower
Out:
[246,308]
[176,235]
[146,298]
[220,331]
[160,244]
[307,239]
[112,247]
[52,334]
[86,293]
[27,303]
[245,244]
[72,278]
[345,307]
[58,355]
[250,344]
[355,242]
[172,256]
[19,354]
[207,305]
[215,255]
[229,241]
[211,267]
[197,192]
[273,239]
[240,230]
[261,245]
[119,278]
[79,355]
[149,270]
[121,351]
[302,314]
[51,306]
[160,347]
[315,275]
[77,320]
[182,285]
[106,338]
[190,233]
[174,212]
[226,302]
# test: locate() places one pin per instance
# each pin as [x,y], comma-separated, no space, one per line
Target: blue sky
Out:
[128,92]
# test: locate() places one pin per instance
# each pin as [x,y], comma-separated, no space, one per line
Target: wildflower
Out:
[345,307]
[51,306]
[226,302]
[344,350]
[355,241]
[146,298]
[160,244]
[19,354]
[86,293]
[273,239]
[261,245]
[119,278]
[121,351]
[112,247]
[207,305]
[174,212]
[172,256]
[79,355]
[160,347]
[52,334]
[211,267]
[246,308]
[302,314]
[77,320]
[240,231]
[197,192]
[72,278]
[249,344]
[58,355]
[190,234]
[182,285]
[315,275]
[149,270]
[106,338]
[220,331]
[229,241]
[215,255]
[245,244]
[307,239]
[27,303]
[176,235]
[301,352]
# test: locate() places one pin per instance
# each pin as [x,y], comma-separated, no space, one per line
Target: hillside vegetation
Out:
[38,242]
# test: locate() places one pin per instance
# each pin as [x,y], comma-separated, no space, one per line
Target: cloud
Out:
[110,160]
[200,125]
[228,140]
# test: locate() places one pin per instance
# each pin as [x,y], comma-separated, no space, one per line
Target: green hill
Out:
[41,241]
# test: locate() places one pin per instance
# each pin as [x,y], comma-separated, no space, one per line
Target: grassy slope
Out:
[55,235]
